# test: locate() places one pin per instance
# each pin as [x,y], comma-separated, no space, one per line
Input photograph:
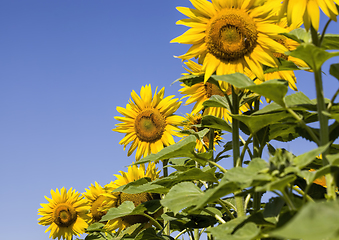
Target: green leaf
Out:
[278,184]
[314,221]
[299,35]
[184,148]
[148,234]
[95,227]
[124,209]
[247,231]
[334,70]
[330,42]
[273,207]
[150,207]
[257,122]
[238,80]
[181,196]
[306,158]
[216,101]
[312,55]
[284,65]
[190,80]
[216,123]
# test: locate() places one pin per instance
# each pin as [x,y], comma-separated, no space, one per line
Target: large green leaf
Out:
[316,220]
[257,122]
[306,158]
[334,70]
[216,101]
[284,65]
[124,209]
[273,89]
[190,80]
[299,35]
[181,196]
[216,123]
[184,148]
[330,42]
[278,184]
[246,232]
[312,55]
[148,234]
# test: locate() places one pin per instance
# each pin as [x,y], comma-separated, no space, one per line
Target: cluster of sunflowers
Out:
[241,50]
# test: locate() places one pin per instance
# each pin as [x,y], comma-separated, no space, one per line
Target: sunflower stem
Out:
[236,148]
[324,31]
[256,154]
[155,222]
[165,173]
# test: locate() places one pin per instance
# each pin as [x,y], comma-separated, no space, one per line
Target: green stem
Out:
[242,155]
[288,200]
[324,31]
[301,192]
[218,166]
[155,222]
[324,132]
[301,121]
[256,154]
[165,173]
[196,234]
[216,216]
[226,208]
[182,232]
[236,148]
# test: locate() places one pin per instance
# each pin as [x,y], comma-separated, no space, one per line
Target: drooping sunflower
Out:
[200,92]
[115,199]
[308,11]
[148,122]
[65,214]
[95,197]
[231,36]
[192,122]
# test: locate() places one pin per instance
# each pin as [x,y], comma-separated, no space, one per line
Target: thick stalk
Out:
[256,147]
[167,229]
[323,119]
[236,148]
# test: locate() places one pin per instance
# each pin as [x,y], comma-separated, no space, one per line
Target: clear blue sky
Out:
[64,67]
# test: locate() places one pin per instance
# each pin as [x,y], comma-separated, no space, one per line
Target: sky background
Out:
[64,67]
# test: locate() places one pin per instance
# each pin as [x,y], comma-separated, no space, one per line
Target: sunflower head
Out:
[193,122]
[148,122]
[95,197]
[115,199]
[231,36]
[65,214]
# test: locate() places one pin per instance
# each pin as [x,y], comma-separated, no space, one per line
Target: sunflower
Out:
[291,45]
[148,122]
[231,36]
[193,122]
[115,199]
[65,214]
[95,197]
[200,92]
[308,11]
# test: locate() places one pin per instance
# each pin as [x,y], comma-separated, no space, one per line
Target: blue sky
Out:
[65,66]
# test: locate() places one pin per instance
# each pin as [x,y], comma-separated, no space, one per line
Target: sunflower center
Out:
[212,89]
[97,215]
[149,125]
[231,35]
[137,199]
[64,215]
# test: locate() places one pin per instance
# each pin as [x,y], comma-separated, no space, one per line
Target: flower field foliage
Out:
[241,53]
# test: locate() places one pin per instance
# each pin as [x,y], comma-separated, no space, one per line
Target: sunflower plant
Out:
[213,173]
